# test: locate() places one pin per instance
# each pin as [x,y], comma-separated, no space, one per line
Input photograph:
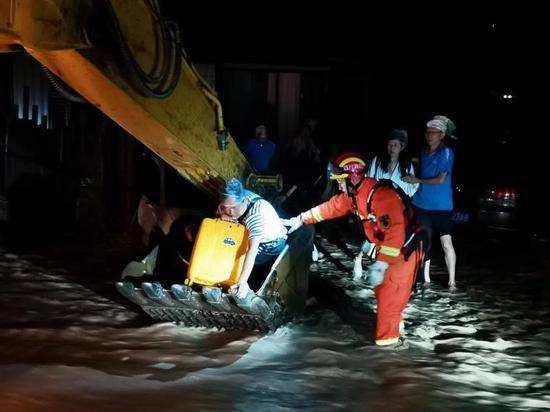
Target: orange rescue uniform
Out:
[385,227]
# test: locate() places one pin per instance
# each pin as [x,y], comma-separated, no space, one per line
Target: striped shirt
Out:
[262,222]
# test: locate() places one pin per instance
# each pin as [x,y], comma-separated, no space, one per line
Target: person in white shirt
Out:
[266,233]
[392,165]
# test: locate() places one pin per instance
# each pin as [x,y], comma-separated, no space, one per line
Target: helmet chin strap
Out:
[353,187]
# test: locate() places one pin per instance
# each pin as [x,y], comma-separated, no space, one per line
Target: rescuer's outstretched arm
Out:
[336,206]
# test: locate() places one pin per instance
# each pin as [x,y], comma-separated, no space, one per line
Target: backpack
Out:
[415,236]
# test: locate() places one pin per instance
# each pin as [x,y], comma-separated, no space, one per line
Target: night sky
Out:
[454,61]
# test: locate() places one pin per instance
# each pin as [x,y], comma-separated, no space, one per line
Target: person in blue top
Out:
[260,151]
[433,202]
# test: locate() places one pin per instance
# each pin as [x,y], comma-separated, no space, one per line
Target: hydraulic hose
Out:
[162,79]
[62,88]
[217,106]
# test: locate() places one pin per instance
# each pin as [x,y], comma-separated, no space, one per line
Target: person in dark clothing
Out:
[303,169]
[260,151]
[166,224]
[172,232]
[174,251]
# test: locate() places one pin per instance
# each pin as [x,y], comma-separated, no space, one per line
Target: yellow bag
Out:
[218,253]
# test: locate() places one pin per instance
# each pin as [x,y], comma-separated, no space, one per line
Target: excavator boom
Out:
[125,59]
[74,39]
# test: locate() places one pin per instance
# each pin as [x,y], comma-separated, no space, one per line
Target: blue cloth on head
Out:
[235,190]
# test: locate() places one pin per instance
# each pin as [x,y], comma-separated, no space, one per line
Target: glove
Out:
[368,249]
[293,223]
[375,272]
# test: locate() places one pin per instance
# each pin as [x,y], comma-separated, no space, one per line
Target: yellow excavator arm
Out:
[173,111]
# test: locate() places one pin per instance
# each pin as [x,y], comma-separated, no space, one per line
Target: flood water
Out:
[69,342]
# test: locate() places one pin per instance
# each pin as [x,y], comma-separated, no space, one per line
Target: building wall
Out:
[79,176]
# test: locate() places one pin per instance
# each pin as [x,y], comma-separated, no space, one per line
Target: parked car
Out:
[489,185]
[498,207]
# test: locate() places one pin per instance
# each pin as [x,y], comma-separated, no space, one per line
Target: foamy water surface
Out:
[68,342]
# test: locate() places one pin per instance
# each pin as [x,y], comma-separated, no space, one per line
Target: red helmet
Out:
[347,164]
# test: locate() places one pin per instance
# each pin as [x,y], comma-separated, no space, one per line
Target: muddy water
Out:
[75,345]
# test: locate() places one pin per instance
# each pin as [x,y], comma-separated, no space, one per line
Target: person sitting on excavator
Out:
[384,217]
[266,233]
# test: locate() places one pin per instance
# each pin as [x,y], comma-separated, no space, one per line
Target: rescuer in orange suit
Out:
[381,211]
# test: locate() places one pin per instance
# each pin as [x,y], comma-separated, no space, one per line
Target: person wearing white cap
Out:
[433,201]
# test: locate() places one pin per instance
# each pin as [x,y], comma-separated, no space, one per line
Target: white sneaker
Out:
[401,344]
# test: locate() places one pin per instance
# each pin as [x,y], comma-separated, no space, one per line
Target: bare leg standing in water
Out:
[450,258]
[427,271]
[450,261]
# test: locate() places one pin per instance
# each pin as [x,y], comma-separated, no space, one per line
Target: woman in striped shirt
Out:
[266,233]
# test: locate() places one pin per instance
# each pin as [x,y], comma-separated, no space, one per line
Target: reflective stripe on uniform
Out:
[317,214]
[351,159]
[340,176]
[389,251]
[389,341]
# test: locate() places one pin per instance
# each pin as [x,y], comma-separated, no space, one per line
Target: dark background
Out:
[391,68]
[363,72]
[398,66]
